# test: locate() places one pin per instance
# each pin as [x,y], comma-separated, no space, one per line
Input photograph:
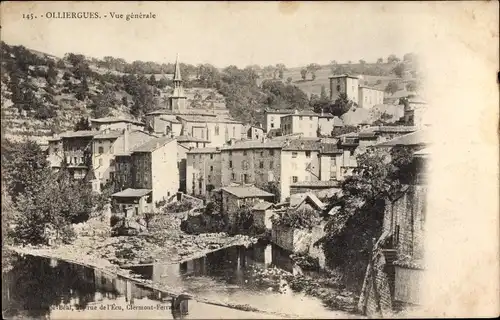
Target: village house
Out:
[108,143]
[262,213]
[416,112]
[252,132]
[150,166]
[236,197]
[77,148]
[254,162]
[365,97]
[216,130]
[272,118]
[327,122]
[304,122]
[114,123]
[203,170]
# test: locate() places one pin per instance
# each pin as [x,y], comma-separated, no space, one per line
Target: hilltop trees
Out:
[82,124]
[303,73]
[393,59]
[341,105]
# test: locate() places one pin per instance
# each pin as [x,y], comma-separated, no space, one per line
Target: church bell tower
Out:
[177,99]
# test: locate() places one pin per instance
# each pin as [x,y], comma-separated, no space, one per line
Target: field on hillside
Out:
[310,86]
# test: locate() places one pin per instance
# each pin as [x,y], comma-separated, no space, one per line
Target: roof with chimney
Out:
[115,120]
[111,134]
[417,138]
[204,150]
[202,119]
[79,134]
[247,192]
[153,144]
[131,193]
[303,144]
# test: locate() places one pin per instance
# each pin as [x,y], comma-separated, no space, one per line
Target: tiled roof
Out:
[187,113]
[170,119]
[343,76]
[190,139]
[252,144]
[396,129]
[280,111]
[204,150]
[153,144]
[112,134]
[303,144]
[264,205]
[304,113]
[371,88]
[131,193]
[297,199]
[79,134]
[325,115]
[204,119]
[330,148]
[247,192]
[318,184]
[412,139]
[114,120]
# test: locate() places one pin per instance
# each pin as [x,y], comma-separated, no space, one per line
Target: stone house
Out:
[217,130]
[262,213]
[203,170]
[304,122]
[151,166]
[133,202]
[327,122]
[77,149]
[236,197]
[253,133]
[272,118]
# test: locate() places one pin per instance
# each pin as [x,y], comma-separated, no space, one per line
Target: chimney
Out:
[129,127]
[125,141]
[296,111]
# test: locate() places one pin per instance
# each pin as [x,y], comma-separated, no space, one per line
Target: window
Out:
[217,130]
[209,178]
[101,150]
[261,164]
[300,118]
[271,152]
[74,159]
[245,178]
[351,152]
[234,131]
[271,165]
[232,176]
[294,154]
[338,87]
[272,125]
[295,179]
[244,152]
[262,153]
[230,164]
[196,144]
[211,168]
[211,156]
[308,154]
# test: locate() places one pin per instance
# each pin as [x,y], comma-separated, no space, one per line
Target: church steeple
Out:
[178,99]
[177,71]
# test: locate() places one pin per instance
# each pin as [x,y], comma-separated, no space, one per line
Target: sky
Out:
[224,33]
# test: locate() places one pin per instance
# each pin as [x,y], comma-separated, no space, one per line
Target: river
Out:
[47,288]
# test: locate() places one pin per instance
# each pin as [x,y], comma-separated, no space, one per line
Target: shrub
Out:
[297,219]
[114,220]
[177,207]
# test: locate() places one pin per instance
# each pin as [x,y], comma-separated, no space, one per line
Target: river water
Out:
[47,288]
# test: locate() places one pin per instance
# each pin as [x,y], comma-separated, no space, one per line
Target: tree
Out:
[393,59]
[24,169]
[380,176]
[399,70]
[312,68]
[289,80]
[341,105]
[409,57]
[281,69]
[380,60]
[392,87]
[411,86]
[82,124]
[125,101]
[152,80]
[362,62]
[323,94]
[303,73]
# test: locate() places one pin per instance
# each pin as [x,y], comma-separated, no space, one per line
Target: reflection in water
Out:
[46,288]
[226,275]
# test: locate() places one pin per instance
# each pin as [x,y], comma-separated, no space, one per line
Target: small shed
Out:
[262,213]
[306,201]
[236,197]
[133,201]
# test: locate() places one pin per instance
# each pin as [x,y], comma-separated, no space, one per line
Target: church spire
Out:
[177,72]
